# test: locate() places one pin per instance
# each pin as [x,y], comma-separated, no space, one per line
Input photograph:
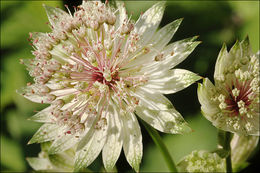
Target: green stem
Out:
[159,142]
[227,148]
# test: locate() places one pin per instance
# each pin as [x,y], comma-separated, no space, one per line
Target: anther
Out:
[159,57]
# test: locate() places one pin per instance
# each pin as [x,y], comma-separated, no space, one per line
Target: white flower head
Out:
[202,161]
[97,69]
[233,103]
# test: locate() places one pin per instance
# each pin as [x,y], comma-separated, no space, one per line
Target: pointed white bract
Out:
[242,147]
[114,143]
[232,104]
[97,69]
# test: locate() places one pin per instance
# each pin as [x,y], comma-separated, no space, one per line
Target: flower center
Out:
[240,97]
[107,77]
[238,100]
[85,60]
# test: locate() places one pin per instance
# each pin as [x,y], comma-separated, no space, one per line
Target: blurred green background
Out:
[215,22]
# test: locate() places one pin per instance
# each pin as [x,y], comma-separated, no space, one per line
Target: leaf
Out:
[241,167]
[222,153]
[8,75]
[17,125]
[142,7]
[248,12]
[11,155]
[13,124]
[204,136]
[16,33]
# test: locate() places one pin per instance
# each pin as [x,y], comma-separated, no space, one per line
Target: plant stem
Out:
[159,142]
[227,148]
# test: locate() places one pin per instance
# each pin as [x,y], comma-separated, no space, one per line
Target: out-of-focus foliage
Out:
[11,155]
[214,21]
[203,137]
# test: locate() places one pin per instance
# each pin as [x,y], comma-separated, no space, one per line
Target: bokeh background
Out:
[215,22]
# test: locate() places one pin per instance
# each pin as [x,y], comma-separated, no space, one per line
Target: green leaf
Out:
[142,6]
[17,124]
[7,5]
[241,167]
[203,137]
[248,13]
[14,30]
[8,76]
[11,155]
[13,124]
[222,153]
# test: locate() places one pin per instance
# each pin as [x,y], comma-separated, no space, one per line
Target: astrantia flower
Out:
[233,103]
[202,161]
[97,69]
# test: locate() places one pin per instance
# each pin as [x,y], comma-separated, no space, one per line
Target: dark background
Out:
[215,22]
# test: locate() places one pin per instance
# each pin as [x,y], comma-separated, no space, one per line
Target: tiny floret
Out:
[202,161]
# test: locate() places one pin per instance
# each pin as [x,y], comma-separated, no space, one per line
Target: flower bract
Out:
[242,147]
